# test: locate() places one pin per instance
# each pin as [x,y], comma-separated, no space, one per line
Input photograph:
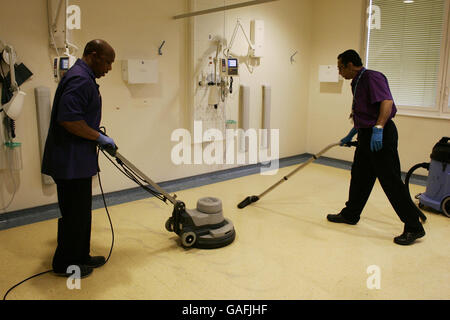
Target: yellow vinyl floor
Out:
[285,249]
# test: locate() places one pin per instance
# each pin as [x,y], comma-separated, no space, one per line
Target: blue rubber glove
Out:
[348,138]
[376,142]
[105,140]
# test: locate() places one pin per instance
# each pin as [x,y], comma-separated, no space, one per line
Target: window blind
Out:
[406,48]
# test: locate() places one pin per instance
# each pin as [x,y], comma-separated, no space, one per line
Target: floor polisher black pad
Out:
[214,244]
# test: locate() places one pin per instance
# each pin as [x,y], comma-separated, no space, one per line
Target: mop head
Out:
[247,201]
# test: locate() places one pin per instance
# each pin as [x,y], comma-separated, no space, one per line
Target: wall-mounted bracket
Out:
[160,48]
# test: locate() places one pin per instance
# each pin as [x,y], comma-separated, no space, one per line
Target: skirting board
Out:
[32,215]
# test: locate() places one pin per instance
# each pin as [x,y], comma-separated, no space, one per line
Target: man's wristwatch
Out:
[378,126]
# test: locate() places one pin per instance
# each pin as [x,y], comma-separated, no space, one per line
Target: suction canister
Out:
[437,194]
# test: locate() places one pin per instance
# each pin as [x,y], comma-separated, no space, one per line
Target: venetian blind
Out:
[406,47]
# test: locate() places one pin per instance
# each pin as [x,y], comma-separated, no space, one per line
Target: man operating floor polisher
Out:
[204,227]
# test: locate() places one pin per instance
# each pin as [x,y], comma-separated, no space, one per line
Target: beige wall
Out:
[338,26]
[141,118]
[23,24]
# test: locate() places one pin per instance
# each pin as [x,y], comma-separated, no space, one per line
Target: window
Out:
[409,42]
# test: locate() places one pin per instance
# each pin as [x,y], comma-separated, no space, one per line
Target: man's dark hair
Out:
[93,46]
[350,56]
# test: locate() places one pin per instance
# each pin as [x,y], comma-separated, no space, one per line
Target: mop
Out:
[252,199]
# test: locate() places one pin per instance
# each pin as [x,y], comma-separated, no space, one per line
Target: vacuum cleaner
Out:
[203,227]
[437,194]
[252,199]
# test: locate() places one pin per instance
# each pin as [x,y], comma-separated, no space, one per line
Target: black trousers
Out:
[384,165]
[74,226]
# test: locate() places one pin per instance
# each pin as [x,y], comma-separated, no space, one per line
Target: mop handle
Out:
[147,179]
[285,178]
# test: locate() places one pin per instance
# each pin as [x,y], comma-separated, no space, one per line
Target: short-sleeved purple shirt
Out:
[67,156]
[368,93]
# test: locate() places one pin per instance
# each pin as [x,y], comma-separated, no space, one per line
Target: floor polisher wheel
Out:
[169,224]
[188,239]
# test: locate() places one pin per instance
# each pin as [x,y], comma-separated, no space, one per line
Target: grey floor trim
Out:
[37,214]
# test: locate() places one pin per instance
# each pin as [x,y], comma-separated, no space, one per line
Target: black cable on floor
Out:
[110,251]
[16,285]
[107,213]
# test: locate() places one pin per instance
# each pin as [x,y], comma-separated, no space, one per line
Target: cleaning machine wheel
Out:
[169,224]
[188,239]
[446,206]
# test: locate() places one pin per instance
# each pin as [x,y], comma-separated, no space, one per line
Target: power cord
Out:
[16,285]
[128,172]
[110,251]
[107,213]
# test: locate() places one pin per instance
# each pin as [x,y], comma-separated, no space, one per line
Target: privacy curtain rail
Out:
[229,7]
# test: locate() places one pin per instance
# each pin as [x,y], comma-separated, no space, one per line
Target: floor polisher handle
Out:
[147,179]
[112,150]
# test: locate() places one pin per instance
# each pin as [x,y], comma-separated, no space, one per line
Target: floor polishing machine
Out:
[203,227]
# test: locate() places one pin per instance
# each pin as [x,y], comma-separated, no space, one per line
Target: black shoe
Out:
[85,271]
[339,218]
[95,262]
[407,237]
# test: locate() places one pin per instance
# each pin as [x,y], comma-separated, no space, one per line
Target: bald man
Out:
[70,156]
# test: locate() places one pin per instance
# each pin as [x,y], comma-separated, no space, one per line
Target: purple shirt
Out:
[67,156]
[369,88]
